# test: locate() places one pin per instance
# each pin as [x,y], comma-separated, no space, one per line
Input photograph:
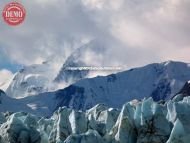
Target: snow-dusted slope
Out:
[5,85]
[31,80]
[8,104]
[159,81]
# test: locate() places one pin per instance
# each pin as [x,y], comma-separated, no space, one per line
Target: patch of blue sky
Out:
[7,63]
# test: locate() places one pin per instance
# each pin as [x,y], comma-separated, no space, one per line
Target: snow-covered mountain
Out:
[40,78]
[161,81]
[84,56]
[74,60]
[31,80]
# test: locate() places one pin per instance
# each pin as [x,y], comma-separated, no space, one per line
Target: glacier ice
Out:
[91,136]
[15,130]
[143,121]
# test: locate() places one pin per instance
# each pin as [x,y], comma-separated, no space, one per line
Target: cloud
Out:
[5,75]
[134,32]
[147,31]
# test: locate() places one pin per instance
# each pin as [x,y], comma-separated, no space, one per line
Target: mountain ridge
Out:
[161,81]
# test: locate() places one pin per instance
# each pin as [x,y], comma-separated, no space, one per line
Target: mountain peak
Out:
[81,57]
[173,63]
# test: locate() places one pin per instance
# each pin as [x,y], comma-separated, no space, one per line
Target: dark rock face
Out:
[1,94]
[186,89]
[184,92]
[162,90]
[111,78]
[64,97]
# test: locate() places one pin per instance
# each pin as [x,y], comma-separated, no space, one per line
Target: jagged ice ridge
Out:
[143,121]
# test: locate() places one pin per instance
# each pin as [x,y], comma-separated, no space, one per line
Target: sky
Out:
[132,32]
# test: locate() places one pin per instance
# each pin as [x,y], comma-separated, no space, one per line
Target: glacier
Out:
[143,121]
